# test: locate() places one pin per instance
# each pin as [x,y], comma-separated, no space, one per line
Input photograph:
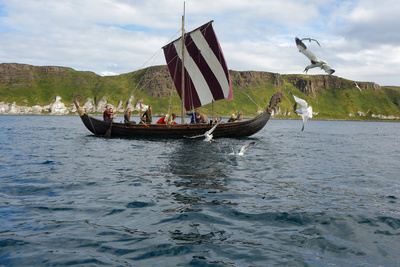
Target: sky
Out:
[359,39]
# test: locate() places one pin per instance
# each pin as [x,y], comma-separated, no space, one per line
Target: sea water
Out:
[327,196]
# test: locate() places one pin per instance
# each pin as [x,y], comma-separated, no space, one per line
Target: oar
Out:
[108,133]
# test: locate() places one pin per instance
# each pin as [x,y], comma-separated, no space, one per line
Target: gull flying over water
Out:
[305,111]
[315,62]
[243,149]
[310,39]
[208,136]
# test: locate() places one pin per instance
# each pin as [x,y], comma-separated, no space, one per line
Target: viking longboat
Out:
[205,79]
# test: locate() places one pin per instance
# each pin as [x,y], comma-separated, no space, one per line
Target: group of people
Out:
[196,117]
[147,117]
[109,115]
[233,118]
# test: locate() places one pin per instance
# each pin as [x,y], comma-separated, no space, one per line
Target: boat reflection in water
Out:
[200,174]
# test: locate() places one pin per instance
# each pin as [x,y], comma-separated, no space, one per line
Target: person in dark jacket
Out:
[148,116]
[107,115]
[193,116]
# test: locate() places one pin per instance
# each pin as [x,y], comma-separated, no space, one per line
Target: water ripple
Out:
[327,196]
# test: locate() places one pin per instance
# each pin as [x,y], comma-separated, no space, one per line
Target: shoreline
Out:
[224,117]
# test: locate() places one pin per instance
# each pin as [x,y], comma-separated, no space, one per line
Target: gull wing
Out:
[309,111]
[316,41]
[305,51]
[302,103]
[245,147]
[306,115]
[310,39]
[327,69]
[213,128]
[196,136]
[358,87]
[206,133]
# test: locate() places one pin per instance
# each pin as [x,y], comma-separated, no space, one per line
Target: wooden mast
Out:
[183,66]
[212,111]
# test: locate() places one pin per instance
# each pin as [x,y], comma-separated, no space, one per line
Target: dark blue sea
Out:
[328,196]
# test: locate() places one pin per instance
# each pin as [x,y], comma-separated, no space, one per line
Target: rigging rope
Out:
[155,56]
[247,96]
[253,101]
[136,88]
[132,74]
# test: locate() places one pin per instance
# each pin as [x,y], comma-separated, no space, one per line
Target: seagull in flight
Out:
[310,39]
[243,149]
[315,62]
[305,111]
[356,85]
[208,136]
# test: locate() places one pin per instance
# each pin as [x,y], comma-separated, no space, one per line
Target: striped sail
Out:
[206,73]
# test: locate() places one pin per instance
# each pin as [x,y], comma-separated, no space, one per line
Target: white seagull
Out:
[243,149]
[310,39]
[315,62]
[356,85]
[208,136]
[306,112]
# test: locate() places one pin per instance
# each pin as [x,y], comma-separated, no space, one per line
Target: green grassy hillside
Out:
[331,97]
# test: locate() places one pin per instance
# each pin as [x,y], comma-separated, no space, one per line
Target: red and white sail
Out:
[206,72]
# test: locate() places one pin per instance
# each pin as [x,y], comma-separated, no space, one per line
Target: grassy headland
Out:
[330,96]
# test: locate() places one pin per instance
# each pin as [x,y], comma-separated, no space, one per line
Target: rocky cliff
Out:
[251,79]
[311,85]
[16,75]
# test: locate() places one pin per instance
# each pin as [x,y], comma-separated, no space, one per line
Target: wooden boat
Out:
[205,79]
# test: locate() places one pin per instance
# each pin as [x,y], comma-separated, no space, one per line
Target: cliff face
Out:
[157,82]
[251,79]
[11,72]
[311,85]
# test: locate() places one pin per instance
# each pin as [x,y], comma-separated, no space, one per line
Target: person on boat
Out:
[107,115]
[167,119]
[193,115]
[239,116]
[232,118]
[112,115]
[147,116]
[127,117]
[201,118]
[217,120]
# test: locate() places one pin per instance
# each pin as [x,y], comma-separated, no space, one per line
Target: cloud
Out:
[372,23]
[358,38]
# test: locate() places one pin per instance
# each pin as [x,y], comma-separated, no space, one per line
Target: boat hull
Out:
[229,129]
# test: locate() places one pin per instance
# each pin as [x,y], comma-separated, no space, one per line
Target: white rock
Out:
[89,105]
[57,107]
[13,109]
